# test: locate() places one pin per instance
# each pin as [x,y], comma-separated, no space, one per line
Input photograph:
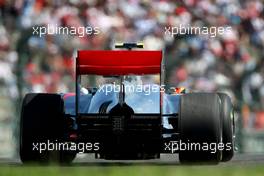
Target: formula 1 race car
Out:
[121,111]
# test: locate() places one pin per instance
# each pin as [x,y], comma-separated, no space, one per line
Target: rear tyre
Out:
[228,126]
[199,123]
[42,121]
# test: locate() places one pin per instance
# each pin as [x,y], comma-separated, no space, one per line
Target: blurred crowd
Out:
[231,63]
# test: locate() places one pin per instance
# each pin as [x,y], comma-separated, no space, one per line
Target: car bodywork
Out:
[138,101]
[128,125]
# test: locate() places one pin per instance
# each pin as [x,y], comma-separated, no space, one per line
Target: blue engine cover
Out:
[140,101]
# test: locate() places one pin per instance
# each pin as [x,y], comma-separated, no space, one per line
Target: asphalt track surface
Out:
[165,160]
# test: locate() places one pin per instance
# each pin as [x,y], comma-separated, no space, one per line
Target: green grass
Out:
[237,170]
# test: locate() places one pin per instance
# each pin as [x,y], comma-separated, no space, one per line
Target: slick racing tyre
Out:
[228,126]
[200,128]
[42,121]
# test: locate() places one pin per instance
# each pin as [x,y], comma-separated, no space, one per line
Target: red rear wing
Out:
[118,62]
